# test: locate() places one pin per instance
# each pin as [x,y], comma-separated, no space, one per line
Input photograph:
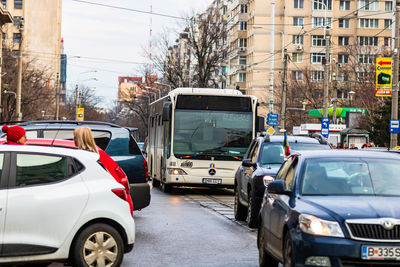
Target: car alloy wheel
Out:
[99,245]
[252,210]
[288,253]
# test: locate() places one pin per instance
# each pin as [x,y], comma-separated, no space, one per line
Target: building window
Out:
[298,3]
[242,60]
[388,23]
[343,40]
[316,58]
[371,5]
[319,22]
[297,57]
[361,76]
[317,76]
[16,37]
[387,41]
[17,4]
[243,8]
[4,3]
[343,58]
[243,42]
[297,75]
[344,5]
[388,6]
[368,23]
[297,39]
[318,40]
[366,40]
[343,77]
[298,21]
[243,25]
[322,4]
[366,59]
[17,21]
[344,23]
[241,77]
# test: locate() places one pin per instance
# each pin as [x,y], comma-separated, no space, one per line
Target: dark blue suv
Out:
[260,164]
[118,142]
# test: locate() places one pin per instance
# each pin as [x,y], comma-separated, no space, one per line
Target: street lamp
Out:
[77,100]
[155,95]
[164,84]
[351,93]
[151,88]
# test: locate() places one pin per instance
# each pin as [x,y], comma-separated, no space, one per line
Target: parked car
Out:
[337,208]
[60,204]
[118,142]
[261,162]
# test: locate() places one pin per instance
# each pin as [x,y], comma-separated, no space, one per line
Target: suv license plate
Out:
[380,253]
[211,181]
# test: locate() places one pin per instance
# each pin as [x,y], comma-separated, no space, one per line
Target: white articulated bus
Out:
[198,137]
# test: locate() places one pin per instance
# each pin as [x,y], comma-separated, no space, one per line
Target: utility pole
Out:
[19,77]
[335,77]
[395,80]
[326,75]
[284,90]
[272,60]
[57,96]
[76,101]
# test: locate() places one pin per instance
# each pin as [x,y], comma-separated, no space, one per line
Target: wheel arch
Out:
[107,221]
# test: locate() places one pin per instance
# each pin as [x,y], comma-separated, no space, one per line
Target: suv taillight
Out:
[120,193]
[146,170]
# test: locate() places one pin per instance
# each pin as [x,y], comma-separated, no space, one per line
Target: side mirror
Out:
[167,111]
[260,124]
[277,187]
[248,163]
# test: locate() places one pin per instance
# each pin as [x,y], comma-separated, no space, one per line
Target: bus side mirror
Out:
[167,111]
[260,124]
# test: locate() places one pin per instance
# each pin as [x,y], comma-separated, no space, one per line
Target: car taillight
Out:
[123,179]
[146,170]
[120,193]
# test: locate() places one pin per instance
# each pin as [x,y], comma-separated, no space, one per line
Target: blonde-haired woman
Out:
[83,139]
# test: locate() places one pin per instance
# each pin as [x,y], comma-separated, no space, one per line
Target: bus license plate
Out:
[211,181]
[380,253]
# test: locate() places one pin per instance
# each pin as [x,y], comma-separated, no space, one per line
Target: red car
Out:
[107,162]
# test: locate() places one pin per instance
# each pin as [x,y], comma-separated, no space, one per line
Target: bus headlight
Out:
[176,171]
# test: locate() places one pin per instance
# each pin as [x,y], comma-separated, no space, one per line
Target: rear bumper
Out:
[140,194]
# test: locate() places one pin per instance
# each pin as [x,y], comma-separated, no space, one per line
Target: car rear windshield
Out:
[272,153]
[102,138]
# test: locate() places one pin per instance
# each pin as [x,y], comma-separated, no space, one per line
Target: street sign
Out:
[80,116]
[271,131]
[272,118]
[383,76]
[394,126]
[325,127]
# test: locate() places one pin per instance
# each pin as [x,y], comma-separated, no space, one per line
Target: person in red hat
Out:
[15,134]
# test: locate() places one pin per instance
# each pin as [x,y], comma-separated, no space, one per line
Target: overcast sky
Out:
[111,41]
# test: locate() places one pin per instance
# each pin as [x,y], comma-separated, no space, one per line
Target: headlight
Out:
[315,226]
[176,171]
[267,179]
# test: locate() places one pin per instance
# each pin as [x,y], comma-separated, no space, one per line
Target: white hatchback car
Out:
[60,204]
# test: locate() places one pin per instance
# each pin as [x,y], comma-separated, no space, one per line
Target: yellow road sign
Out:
[80,116]
[383,76]
[271,131]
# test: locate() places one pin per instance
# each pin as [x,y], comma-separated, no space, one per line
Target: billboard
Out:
[383,76]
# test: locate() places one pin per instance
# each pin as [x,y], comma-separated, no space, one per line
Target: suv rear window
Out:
[133,147]
[102,138]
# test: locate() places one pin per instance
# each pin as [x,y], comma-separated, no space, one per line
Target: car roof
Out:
[347,153]
[294,139]
[57,150]
[57,124]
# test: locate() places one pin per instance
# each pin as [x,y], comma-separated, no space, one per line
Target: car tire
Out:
[253,208]
[288,252]
[264,258]
[155,182]
[240,211]
[166,188]
[103,241]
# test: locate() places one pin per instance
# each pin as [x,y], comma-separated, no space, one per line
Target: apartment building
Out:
[41,35]
[128,88]
[302,27]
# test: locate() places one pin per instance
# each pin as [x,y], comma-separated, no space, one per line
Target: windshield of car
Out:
[223,135]
[307,146]
[272,153]
[353,176]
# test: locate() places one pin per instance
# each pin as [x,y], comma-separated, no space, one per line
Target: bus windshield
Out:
[206,134]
